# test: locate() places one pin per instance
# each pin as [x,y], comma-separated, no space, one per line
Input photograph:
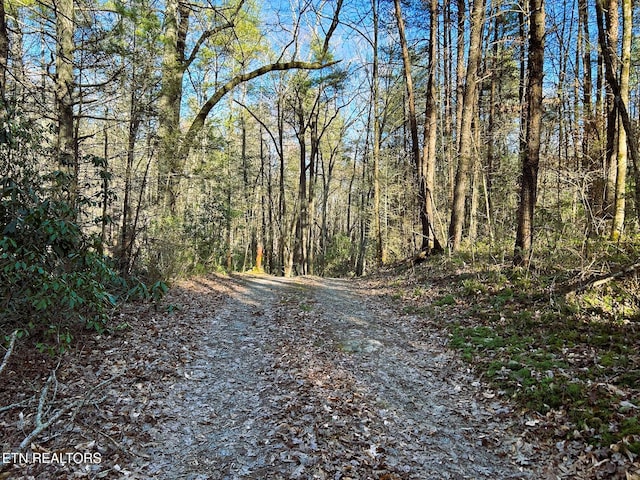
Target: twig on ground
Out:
[111,439]
[17,405]
[599,280]
[42,424]
[12,343]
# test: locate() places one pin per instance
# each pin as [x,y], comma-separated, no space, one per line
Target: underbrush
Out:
[55,279]
[544,336]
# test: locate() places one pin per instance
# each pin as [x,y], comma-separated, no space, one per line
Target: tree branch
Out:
[198,121]
[332,28]
[41,423]
[264,125]
[209,33]
[615,88]
[203,38]
[599,280]
[12,343]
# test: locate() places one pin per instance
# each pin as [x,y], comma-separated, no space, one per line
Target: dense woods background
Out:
[162,138]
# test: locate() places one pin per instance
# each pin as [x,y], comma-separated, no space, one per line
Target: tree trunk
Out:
[229,210]
[64,85]
[617,226]
[620,104]
[361,256]
[4,60]
[302,220]
[311,198]
[591,151]
[460,72]
[522,84]
[492,157]
[448,92]
[271,244]
[427,174]
[127,232]
[531,154]
[176,22]
[327,177]
[424,185]
[105,189]
[381,253]
[468,112]
[613,116]
[411,103]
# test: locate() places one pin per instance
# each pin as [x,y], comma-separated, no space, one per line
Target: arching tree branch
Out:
[198,121]
[615,88]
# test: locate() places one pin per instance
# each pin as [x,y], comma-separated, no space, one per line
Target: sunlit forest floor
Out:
[561,342]
[459,367]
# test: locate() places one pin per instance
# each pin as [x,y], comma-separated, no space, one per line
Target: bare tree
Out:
[531,153]
[469,100]
[174,146]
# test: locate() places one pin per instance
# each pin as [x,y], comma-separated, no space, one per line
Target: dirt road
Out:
[313,378]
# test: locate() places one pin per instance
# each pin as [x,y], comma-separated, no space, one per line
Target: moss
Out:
[629,378]
[305,307]
[630,426]
[579,355]
[446,300]
[473,286]
[634,447]
[523,374]
[494,367]
[501,298]
[575,391]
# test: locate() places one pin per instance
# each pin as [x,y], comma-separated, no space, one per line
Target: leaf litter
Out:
[255,377]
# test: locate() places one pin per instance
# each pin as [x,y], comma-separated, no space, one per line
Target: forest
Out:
[322,138]
[480,158]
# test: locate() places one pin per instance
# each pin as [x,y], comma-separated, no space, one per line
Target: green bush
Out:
[54,279]
[337,262]
[52,276]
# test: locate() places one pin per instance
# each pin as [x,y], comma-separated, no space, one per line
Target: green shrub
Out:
[51,274]
[53,277]
[338,259]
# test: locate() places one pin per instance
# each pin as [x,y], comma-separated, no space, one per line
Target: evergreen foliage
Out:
[54,278]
